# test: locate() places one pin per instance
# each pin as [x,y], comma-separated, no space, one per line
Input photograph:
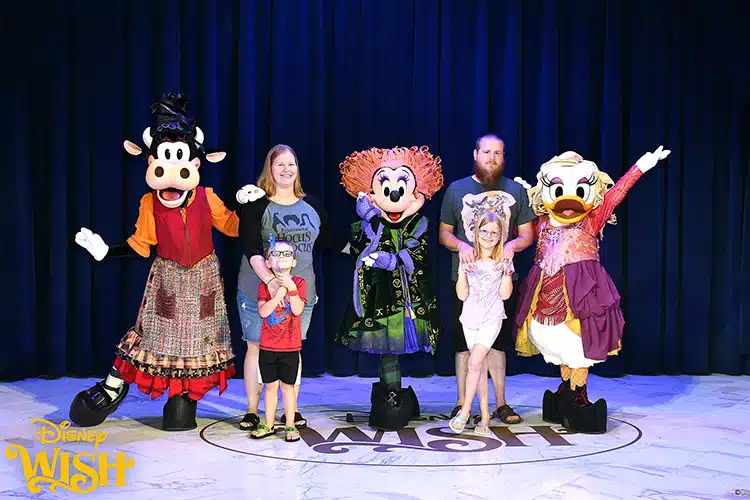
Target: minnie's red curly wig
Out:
[358,168]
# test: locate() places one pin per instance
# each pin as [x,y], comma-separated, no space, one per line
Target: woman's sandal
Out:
[299,421]
[249,422]
[457,424]
[291,434]
[261,432]
[505,413]
[482,429]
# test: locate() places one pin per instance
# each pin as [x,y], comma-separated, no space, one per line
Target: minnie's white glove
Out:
[249,193]
[93,243]
[649,160]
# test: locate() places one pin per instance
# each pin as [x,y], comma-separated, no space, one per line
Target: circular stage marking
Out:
[341,436]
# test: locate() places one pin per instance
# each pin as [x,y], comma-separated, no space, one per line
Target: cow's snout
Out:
[178,175]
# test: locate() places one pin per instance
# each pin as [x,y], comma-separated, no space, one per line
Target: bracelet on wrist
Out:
[292,293]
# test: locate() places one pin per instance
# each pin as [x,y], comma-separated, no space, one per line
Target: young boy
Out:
[280,338]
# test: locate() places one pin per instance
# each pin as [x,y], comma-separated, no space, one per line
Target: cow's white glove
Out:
[93,243]
[249,193]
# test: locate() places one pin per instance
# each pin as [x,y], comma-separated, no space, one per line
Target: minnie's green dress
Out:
[392,311]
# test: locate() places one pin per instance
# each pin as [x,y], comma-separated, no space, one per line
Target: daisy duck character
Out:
[568,306]
[180,343]
[394,309]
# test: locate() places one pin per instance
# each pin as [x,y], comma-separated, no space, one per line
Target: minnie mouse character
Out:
[393,309]
[181,341]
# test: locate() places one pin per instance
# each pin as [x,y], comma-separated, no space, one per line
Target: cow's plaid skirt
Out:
[181,340]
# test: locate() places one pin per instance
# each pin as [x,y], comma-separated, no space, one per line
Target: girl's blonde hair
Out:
[265,180]
[489,218]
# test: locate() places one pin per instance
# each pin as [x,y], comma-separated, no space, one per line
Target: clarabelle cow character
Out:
[180,343]
[568,306]
[393,309]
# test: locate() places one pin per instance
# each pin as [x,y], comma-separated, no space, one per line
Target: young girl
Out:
[482,287]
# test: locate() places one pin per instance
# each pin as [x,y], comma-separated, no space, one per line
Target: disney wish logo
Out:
[82,472]
[447,441]
[343,436]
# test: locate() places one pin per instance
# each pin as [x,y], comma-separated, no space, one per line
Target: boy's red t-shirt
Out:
[282,330]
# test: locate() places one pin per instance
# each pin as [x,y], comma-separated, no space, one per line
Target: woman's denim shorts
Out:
[252,322]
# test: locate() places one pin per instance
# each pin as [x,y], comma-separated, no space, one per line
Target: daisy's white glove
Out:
[649,160]
[522,182]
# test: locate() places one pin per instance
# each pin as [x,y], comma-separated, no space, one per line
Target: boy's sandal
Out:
[482,429]
[291,434]
[249,422]
[457,424]
[506,414]
[261,432]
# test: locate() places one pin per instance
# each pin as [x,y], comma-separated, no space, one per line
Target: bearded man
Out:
[464,203]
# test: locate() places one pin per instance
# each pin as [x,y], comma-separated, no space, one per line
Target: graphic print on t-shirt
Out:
[296,229]
[475,205]
[279,315]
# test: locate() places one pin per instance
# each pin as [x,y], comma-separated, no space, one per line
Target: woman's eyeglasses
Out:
[282,253]
[488,234]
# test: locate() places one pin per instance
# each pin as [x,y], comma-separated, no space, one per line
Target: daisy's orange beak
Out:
[568,209]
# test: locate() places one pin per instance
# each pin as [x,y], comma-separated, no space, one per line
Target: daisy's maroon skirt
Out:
[593,299]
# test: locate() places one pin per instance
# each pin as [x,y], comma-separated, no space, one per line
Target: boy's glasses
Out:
[282,253]
[488,234]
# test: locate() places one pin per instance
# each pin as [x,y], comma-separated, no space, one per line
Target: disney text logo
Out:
[58,472]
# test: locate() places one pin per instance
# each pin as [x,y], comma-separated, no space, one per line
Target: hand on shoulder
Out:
[249,193]
[523,183]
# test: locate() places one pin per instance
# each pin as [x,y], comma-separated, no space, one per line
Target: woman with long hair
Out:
[287,213]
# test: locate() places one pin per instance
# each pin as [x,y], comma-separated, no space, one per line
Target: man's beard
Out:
[490,173]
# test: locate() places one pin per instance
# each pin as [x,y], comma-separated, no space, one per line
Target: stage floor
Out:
[668,438]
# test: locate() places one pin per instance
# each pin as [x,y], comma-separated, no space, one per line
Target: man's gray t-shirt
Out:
[466,200]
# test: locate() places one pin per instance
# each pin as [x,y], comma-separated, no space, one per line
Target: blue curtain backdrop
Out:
[609,79]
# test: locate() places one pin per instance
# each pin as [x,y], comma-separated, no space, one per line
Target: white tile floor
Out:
[668,438]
